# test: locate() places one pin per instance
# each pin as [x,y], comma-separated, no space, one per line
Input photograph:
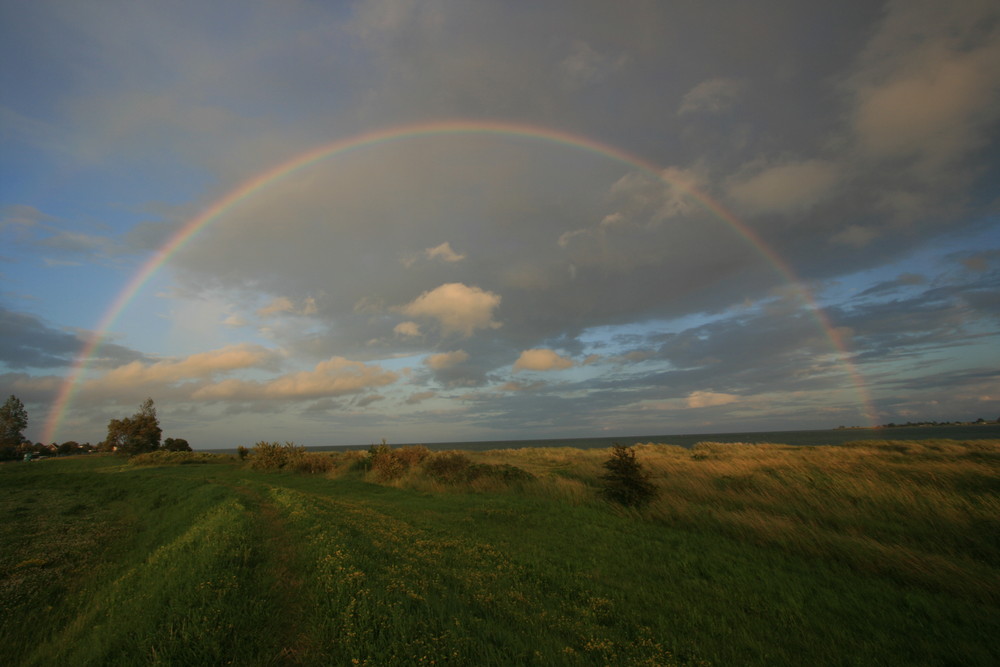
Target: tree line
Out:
[133,435]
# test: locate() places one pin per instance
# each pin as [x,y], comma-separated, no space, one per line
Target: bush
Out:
[412,455]
[312,463]
[457,468]
[625,482]
[384,463]
[387,463]
[450,468]
[166,457]
[273,455]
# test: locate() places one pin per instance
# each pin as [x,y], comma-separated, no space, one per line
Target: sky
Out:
[334,223]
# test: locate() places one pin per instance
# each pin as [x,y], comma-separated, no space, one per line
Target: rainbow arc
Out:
[345,146]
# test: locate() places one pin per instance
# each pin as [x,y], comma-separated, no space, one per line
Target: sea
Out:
[838,436]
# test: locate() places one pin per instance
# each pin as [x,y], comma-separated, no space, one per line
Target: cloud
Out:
[458,308]
[235,320]
[977,263]
[439,362]
[31,388]
[541,359]
[444,253]
[365,401]
[927,86]
[407,329]
[197,366]
[709,399]
[584,66]
[711,96]
[334,377]
[419,397]
[785,188]
[26,341]
[22,215]
[283,304]
[279,305]
[856,236]
[521,386]
[655,197]
[890,286]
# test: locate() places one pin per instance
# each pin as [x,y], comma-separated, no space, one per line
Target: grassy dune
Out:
[884,553]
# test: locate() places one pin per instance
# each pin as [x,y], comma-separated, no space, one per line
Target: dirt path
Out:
[282,561]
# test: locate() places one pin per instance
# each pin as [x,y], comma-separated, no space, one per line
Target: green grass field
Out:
[879,553]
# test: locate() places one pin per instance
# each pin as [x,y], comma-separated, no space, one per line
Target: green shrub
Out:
[625,482]
[242,452]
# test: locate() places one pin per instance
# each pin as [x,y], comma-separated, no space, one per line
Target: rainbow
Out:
[366,140]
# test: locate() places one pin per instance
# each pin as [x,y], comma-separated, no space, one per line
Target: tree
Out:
[13,421]
[176,445]
[626,482]
[68,447]
[137,434]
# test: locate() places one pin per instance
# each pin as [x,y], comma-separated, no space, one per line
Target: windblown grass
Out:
[874,553]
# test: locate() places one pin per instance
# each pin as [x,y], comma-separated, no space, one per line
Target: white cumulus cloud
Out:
[541,359]
[458,308]
[336,376]
[444,252]
[196,366]
[708,399]
[407,329]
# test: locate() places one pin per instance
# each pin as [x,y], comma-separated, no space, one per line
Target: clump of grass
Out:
[164,457]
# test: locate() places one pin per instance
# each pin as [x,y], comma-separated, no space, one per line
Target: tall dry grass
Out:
[924,512]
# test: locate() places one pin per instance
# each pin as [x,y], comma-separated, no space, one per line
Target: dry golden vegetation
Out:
[924,511]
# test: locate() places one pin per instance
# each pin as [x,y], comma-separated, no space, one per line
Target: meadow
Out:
[870,553]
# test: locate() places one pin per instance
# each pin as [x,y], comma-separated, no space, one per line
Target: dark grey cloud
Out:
[26,341]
